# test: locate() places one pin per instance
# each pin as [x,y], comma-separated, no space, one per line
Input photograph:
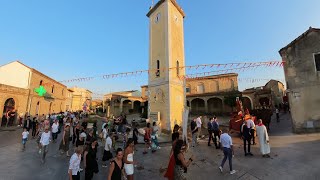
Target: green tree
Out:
[230,100]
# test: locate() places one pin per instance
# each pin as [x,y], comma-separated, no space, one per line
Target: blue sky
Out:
[80,38]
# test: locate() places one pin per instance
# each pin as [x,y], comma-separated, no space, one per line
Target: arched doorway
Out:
[8,112]
[246,103]
[215,105]
[198,106]
[137,106]
[38,108]
[126,105]
[188,103]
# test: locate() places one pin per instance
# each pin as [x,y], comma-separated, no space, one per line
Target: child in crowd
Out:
[25,134]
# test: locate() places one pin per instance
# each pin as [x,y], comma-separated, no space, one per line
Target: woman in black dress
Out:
[116,166]
[90,160]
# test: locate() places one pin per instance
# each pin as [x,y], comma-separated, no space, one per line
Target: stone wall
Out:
[303,81]
[19,95]
[223,83]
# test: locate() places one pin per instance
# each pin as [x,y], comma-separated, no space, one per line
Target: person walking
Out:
[194,131]
[104,133]
[74,165]
[216,132]
[90,160]
[199,124]
[154,135]
[128,159]
[64,145]
[175,137]
[107,155]
[180,169]
[147,138]
[34,124]
[25,135]
[210,131]
[246,137]
[251,126]
[263,139]
[125,138]
[55,130]
[116,166]
[135,134]
[89,138]
[277,114]
[76,130]
[227,148]
[39,133]
[44,141]
[81,139]
[27,123]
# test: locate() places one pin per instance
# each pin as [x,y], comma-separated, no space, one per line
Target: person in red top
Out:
[147,137]
[170,170]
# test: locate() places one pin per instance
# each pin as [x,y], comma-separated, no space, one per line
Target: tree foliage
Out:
[230,100]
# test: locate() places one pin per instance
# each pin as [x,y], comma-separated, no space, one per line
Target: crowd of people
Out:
[81,143]
[222,140]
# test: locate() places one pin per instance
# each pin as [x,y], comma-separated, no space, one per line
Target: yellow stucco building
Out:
[123,102]
[18,91]
[80,99]
[205,95]
[166,63]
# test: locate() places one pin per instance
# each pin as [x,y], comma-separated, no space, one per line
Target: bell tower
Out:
[166,63]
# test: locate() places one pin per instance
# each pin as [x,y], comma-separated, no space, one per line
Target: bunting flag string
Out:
[251,80]
[240,67]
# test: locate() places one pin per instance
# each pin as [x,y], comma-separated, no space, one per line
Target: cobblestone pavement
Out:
[292,157]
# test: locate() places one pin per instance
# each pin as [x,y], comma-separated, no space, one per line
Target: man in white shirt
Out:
[55,130]
[74,165]
[44,142]
[227,147]
[252,127]
[199,124]
[107,155]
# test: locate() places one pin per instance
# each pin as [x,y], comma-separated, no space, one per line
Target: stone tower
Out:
[166,63]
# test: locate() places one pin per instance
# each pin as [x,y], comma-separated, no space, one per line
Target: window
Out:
[41,83]
[178,69]
[62,91]
[158,69]
[187,89]
[317,61]
[157,18]
[200,88]
[52,90]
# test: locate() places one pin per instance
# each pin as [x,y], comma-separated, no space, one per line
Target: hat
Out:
[246,117]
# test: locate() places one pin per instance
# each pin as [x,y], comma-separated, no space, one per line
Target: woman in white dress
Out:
[128,159]
[263,139]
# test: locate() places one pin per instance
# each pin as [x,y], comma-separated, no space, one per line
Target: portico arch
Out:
[247,102]
[137,106]
[7,116]
[198,106]
[126,105]
[215,105]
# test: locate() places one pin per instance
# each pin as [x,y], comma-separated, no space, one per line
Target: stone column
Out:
[206,105]
[121,104]
[108,111]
